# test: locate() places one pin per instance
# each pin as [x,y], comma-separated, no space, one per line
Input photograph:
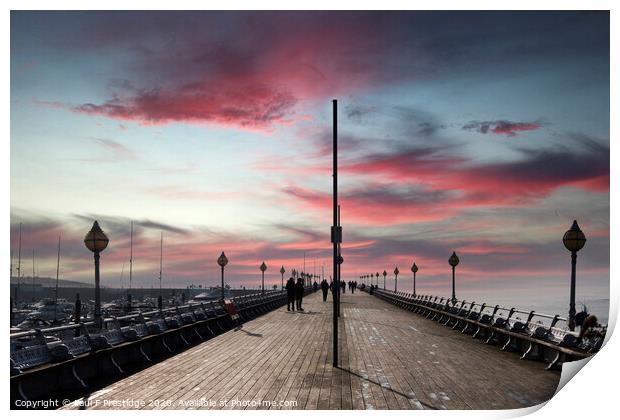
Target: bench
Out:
[30,357]
[532,339]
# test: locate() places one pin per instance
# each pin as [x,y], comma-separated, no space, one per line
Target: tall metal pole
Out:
[120,278]
[33,293]
[97,291]
[414,294]
[10,280]
[222,282]
[19,261]
[339,264]
[57,274]
[571,310]
[453,289]
[334,231]
[161,258]
[130,254]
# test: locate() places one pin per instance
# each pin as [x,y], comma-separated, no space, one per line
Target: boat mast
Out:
[120,279]
[130,254]
[161,257]
[19,260]
[57,272]
[33,276]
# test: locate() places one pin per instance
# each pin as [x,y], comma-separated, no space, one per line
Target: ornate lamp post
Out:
[222,261]
[453,261]
[377,277]
[384,274]
[263,268]
[96,241]
[396,279]
[574,239]
[282,271]
[414,269]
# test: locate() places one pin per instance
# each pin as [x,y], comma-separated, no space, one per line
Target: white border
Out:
[591,394]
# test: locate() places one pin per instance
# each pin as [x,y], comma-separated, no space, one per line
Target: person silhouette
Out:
[324,289]
[299,293]
[290,293]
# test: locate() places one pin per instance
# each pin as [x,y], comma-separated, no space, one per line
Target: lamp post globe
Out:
[222,261]
[282,271]
[414,270]
[96,241]
[263,268]
[396,279]
[453,261]
[574,239]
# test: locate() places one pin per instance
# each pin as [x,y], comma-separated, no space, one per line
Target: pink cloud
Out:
[253,106]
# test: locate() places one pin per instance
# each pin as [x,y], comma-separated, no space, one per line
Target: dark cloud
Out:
[252,106]
[536,174]
[249,69]
[121,225]
[508,128]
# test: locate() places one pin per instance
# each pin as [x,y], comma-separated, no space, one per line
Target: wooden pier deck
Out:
[390,359]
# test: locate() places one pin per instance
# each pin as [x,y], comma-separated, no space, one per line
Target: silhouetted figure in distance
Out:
[290,293]
[325,289]
[299,293]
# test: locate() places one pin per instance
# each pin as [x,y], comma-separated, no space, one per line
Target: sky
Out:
[484,133]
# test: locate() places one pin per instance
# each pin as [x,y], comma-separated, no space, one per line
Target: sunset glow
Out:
[485,133]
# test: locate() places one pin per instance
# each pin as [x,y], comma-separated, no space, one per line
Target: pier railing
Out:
[534,335]
[69,359]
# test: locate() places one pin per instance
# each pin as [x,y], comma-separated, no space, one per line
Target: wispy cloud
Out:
[253,106]
[503,127]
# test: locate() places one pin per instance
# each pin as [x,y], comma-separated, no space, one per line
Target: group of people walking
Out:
[326,287]
[294,293]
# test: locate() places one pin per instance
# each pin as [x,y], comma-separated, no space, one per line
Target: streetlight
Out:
[574,239]
[377,275]
[396,279]
[96,241]
[222,261]
[453,261]
[282,271]
[384,274]
[414,269]
[263,267]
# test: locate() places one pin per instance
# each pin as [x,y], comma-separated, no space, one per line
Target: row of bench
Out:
[46,361]
[532,338]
